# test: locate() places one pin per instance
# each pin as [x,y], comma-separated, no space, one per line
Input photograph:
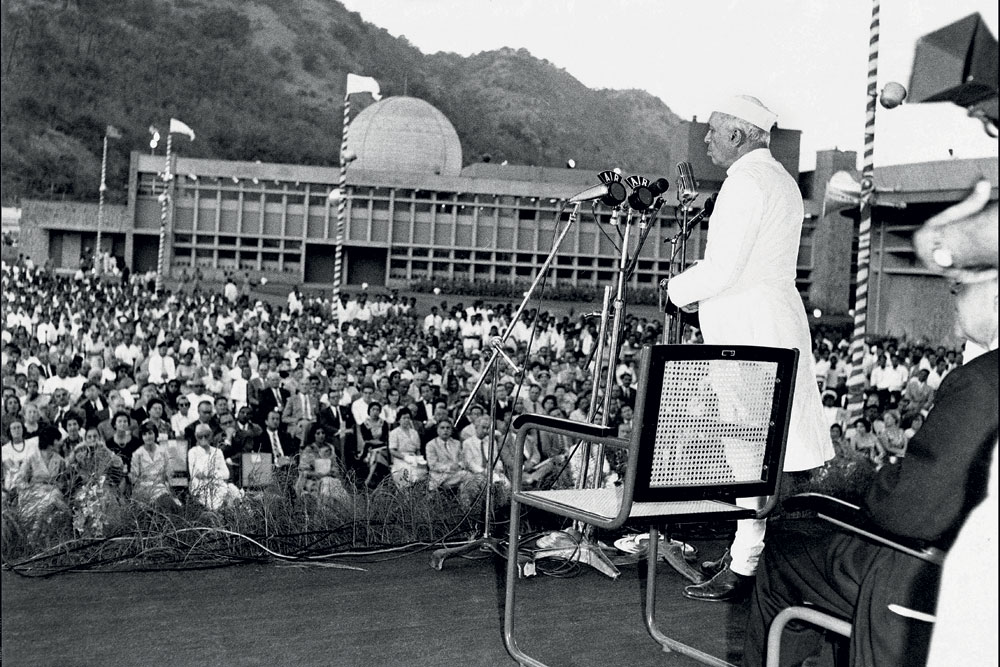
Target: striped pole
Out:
[338,255]
[98,255]
[164,204]
[856,379]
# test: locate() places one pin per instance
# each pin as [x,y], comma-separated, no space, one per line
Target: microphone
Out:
[645,193]
[687,187]
[610,194]
[705,212]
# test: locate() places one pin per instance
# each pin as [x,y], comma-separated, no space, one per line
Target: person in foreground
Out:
[744,290]
[925,497]
[209,473]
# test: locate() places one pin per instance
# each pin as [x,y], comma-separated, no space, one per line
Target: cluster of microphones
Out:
[642,195]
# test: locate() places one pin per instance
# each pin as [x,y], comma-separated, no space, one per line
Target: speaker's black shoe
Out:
[726,586]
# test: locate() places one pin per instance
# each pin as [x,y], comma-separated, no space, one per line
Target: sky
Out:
[807,60]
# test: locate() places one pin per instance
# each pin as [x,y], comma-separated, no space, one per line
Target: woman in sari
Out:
[390,411]
[373,437]
[867,442]
[32,422]
[72,425]
[122,442]
[209,473]
[41,482]
[156,410]
[16,450]
[150,473]
[892,438]
[408,464]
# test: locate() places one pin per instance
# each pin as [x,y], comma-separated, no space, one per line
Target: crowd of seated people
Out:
[354,391]
[899,382]
[334,393]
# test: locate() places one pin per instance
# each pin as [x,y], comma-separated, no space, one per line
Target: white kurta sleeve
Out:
[734,226]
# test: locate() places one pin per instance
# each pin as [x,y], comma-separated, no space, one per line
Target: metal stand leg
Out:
[483,545]
[572,545]
[486,543]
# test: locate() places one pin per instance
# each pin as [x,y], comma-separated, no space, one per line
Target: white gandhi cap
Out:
[749,109]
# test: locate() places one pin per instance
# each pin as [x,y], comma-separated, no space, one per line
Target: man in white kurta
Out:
[744,290]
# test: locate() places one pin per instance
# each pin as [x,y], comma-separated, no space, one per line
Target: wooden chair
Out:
[849,517]
[710,424]
[256,470]
[177,454]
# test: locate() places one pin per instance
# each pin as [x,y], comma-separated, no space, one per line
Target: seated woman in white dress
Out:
[408,464]
[150,472]
[16,450]
[42,481]
[209,473]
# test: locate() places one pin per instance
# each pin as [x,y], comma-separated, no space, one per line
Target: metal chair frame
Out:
[640,499]
[849,517]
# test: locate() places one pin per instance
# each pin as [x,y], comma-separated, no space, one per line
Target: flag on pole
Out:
[178,127]
[112,132]
[363,84]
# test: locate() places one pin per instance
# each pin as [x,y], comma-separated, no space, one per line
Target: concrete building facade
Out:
[413,213]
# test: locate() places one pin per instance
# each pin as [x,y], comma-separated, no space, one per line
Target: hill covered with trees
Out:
[264,80]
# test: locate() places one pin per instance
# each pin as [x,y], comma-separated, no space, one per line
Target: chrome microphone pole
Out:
[487,542]
[687,192]
[673,327]
[595,389]
[577,544]
[520,309]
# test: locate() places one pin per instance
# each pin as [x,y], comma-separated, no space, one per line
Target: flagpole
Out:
[164,204]
[856,379]
[338,256]
[99,266]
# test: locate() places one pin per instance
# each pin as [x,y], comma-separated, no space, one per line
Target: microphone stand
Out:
[673,326]
[574,544]
[488,542]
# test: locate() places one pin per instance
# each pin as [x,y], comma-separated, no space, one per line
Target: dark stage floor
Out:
[398,612]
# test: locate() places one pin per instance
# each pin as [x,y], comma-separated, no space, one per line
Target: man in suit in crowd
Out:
[272,397]
[332,419]
[303,406]
[246,430]
[924,498]
[282,447]
[206,415]
[58,407]
[95,408]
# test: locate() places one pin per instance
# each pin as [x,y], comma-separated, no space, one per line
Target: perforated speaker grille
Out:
[713,422]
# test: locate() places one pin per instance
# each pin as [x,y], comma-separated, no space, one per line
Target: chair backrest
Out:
[177,455]
[711,421]
[256,469]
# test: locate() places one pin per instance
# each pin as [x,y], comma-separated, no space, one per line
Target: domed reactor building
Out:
[404,134]
[413,211]
[410,212]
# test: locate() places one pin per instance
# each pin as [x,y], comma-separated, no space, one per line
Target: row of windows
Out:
[408,270]
[275,190]
[271,262]
[527,210]
[237,241]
